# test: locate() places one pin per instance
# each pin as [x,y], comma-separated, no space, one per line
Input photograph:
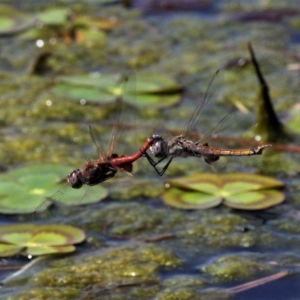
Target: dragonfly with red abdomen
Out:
[104,168]
[181,146]
[99,170]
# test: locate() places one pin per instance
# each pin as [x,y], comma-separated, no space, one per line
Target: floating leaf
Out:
[242,191]
[25,189]
[53,16]
[42,250]
[249,182]
[206,183]
[156,84]
[13,22]
[255,200]
[33,239]
[91,35]
[190,199]
[148,90]
[83,92]
[98,23]
[9,250]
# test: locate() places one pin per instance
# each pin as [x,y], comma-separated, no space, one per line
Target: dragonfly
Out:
[106,167]
[182,146]
[98,170]
[179,146]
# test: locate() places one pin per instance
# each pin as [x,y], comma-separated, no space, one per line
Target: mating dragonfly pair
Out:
[104,168]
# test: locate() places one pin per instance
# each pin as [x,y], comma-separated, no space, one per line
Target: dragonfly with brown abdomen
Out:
[182,146]
[179,146]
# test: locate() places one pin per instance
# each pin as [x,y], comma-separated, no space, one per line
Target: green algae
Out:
[45,293]
[186,293]
[189,287]
[104,269]
[136,188]
[233,268]
[130,219]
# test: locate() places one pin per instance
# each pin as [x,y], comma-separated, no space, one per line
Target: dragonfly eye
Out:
[73,179]
[157,149]
[156,137]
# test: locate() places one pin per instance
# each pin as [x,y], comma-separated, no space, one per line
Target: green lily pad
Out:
[25,189]
[83,92]
[91,35]
[33,239]
[255,200]
[100,24]
[156,84]
[7,250]
[13,22]
[190,199]
[236,182]
[53,16]
[147,90]
[242,191]
[43,250]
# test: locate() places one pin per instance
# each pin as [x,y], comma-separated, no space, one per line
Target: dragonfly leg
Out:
[152,162]
[155,163]
[164,169]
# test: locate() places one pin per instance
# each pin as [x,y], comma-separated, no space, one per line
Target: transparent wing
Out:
[56,197]
[125,83]
[194,120]
[220,127]
[100,151]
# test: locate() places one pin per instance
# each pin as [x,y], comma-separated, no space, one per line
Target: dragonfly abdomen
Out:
[210,151]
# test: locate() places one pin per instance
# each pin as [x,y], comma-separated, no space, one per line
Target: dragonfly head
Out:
[158,146]
[74,180]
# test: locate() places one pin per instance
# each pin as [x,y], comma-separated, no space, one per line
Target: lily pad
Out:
[242,191]
[190,199]
[100,24]
[25,189]
[53,16]
[255,200]
[90,35]
[13,22]
[33,239]
[147,90]
[56,23]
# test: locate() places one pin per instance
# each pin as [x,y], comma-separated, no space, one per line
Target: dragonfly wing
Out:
[220,127]
[100,151]
[194,120]
[125,86]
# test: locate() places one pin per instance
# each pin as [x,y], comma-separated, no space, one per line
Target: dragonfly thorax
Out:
[179,146]
[159,148]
